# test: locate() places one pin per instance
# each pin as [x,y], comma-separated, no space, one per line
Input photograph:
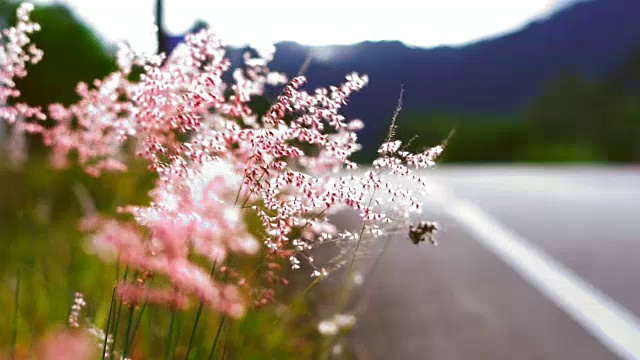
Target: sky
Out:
[424,23]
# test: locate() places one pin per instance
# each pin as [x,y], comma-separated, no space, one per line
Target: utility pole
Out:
[162,38]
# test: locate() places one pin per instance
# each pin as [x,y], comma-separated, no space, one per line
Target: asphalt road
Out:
[533,263]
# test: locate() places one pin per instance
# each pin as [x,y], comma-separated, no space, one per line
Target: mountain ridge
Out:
[497,75]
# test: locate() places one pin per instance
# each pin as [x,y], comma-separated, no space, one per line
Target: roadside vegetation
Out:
[154,213]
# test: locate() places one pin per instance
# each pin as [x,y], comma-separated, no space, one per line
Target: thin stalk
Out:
[224,348]
[243,335]
[193,330]
[252,190]
[240,188]
[305,64]
[346,285]
[298,298]
[111,307]
[167,351]
[176,336]
[106,330]
[14,332]
[128,332]
[198,313]
[369,275]
[215,340]
[117,321]
[137,323]
[148,324]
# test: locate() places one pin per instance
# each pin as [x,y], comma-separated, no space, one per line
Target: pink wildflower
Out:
[16,52]
[218,163]
[67,344]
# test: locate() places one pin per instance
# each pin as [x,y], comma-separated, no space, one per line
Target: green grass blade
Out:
[14,331]
[167,351]
[117,321]
[137,323]
[106,330]
[215,340]
[127,334]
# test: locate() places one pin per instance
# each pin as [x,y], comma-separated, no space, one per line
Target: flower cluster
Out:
[78,304]
[218,164]
[334,325]
[16,51]
[101,341]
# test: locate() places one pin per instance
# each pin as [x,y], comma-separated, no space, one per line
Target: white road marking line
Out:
[610,323]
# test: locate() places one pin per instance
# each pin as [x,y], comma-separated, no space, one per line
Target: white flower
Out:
[295,263]
[358,279]
[344,320]
[390,147]
[337,349]
[322,273]
[327,328]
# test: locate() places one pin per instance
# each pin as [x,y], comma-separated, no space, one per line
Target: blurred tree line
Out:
[72,53]
[573,119]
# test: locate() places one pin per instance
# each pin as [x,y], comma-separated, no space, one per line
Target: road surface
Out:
[533,263]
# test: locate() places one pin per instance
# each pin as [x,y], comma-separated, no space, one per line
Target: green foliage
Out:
[574,119]
[73,53]
[42,247]
[40,239]
[598,119]
[572,153]
[475,137]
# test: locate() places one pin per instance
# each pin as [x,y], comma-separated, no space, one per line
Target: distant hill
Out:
[497,75]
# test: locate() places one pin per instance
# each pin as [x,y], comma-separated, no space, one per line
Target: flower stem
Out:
[14,333]
[137,323]
[297,299]
[198,313]
[215,340]
[125,348]
[117,320]
[367,278]
[224,348]
[193,331]
[347,283]
[111,307]
[167,351]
